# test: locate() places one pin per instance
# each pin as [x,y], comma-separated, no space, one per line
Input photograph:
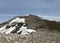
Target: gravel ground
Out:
[38,37]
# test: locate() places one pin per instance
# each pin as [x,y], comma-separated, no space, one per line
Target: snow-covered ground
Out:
[23,29]
[17,20]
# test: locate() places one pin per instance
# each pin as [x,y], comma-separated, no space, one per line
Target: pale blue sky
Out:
[45,8]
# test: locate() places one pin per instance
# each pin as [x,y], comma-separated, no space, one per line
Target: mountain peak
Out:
[26,24]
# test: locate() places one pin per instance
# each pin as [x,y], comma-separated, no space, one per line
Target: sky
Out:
[49,9]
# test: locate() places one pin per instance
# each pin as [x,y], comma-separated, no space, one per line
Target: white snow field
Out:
[17,20]
[23,29]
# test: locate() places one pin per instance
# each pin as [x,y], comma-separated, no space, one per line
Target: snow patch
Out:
[31,30]
[23,29]
[2,29]
[10,30]
[17,20]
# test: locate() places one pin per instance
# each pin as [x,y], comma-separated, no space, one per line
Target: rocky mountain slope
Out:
[46,31]
[36,22]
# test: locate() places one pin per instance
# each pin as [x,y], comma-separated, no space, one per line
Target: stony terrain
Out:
[42,36]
